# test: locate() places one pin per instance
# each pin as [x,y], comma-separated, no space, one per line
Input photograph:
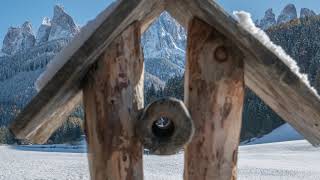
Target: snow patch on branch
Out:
[244,19]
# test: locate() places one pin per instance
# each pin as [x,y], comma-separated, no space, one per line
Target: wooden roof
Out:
[270,78]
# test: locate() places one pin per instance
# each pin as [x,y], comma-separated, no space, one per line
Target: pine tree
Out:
[151,94]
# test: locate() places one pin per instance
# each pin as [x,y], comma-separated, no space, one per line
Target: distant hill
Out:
[283,133]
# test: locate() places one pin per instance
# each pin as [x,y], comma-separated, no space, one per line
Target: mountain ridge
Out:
[24,58]
[288,13]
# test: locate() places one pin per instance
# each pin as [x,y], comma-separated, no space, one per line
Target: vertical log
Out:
[214,93]
[113,96]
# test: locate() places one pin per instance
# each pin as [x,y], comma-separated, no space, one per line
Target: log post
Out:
[113,97]
[214,93]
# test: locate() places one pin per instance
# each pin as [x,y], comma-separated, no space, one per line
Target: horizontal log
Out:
[44,131]
[36,121]
[265,73]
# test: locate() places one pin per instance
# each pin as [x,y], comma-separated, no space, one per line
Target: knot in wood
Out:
[221,54]
[165,126]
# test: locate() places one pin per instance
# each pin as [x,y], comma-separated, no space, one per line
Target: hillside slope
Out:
[283,133]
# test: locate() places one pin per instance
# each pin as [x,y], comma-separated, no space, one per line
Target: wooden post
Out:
[214,92]
[113,96]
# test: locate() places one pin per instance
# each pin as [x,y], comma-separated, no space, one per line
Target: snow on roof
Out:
[244,18]
[59,60]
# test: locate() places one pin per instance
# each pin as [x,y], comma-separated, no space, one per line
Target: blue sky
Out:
[15,12]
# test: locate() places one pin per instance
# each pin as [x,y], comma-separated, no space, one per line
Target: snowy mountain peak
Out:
[44,31]
[46,21]
[62,25]
[27,27]
[58,10]
[305,12]
[287,14]
[18,38]
[268,20]
[165,39]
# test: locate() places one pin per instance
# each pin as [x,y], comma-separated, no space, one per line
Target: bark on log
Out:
[113,97]
[214,92]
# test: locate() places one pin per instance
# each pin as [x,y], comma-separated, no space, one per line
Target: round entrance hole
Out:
[163,128]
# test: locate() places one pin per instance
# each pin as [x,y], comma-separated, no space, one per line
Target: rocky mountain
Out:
[24,56]
[305,12]
[268,20]
[164,46]
[43,31]
[165,39]
[62,25]
[287,14]
[18,39]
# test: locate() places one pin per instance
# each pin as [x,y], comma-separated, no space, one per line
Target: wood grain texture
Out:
[52,104]
[265,73]
[53,122]
[113,97]
[214,93]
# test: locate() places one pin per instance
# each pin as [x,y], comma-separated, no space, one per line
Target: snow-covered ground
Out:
[294,160]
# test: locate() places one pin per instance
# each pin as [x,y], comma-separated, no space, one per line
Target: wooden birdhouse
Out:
[104,67]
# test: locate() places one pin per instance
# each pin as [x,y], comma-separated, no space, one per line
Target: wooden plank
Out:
[55,121]
[265,73]
[36,121]
[214,93]
[113,97]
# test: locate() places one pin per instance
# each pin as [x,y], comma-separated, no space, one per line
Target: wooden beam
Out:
[113,96]
[50,107]
[53,122]
[265,73]
[214,93]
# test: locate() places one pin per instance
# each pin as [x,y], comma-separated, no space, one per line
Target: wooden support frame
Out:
[113,97]
[214,93]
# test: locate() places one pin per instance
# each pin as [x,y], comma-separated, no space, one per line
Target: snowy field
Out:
[294,160]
